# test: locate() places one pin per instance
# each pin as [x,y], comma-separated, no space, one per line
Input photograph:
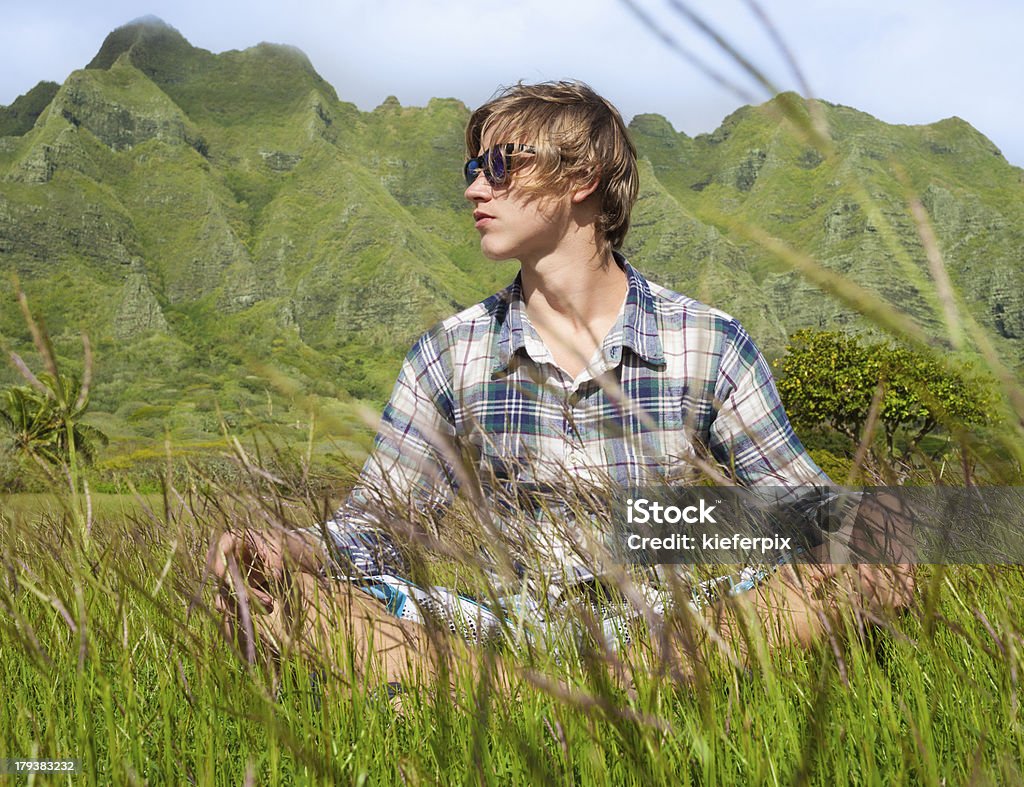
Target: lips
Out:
[481,218]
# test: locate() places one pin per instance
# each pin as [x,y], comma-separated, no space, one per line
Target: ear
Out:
[582,192]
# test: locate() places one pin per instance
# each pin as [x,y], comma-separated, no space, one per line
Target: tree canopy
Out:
[831,378]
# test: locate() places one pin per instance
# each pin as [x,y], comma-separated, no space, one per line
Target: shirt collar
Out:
[637,327]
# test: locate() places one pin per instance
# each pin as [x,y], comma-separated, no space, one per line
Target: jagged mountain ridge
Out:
[210,218]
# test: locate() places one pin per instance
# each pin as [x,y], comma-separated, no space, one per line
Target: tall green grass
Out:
[112,654]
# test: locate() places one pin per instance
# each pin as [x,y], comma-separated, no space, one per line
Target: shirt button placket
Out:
[572,436]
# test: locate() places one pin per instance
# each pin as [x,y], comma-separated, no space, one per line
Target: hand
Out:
[886,588]
[257,559]
[261,560]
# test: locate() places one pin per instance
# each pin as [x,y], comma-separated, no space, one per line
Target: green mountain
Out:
[20,116]
[234,237]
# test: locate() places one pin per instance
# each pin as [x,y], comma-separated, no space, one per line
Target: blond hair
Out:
[578,136]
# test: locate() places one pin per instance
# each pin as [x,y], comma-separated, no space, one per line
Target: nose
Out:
[479,190]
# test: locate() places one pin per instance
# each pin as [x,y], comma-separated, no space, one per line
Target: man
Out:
[581,370]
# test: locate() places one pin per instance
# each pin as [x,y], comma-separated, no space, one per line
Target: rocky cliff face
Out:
[139,313]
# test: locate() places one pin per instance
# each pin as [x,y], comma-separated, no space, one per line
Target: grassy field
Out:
[111,653]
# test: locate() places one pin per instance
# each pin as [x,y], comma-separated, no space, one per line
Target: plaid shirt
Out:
[674,379]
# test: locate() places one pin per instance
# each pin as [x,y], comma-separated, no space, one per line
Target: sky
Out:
[911,61]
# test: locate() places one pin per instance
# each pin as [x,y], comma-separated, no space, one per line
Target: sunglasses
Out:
[496,163]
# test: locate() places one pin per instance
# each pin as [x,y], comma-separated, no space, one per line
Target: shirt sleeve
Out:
[409,473]
[751,433]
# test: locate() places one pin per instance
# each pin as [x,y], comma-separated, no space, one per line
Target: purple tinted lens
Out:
[496,164]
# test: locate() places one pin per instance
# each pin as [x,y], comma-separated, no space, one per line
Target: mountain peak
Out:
[149,20]
[21,115]
[652,125]
[149,32]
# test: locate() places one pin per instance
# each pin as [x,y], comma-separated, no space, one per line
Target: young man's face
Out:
[512,223]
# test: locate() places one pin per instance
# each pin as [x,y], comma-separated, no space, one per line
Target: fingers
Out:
[249,565]
[229,593]
[886,587]
[218,562]
[245,615]
[262,564]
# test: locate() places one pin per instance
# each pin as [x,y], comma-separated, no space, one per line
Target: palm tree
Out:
[45,420]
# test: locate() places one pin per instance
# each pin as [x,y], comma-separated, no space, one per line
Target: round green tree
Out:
[830,379]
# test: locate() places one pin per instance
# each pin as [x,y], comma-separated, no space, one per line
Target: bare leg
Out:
[351,634]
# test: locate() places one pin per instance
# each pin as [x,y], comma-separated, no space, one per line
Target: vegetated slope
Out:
[850,211]
[22,114]
[229,233]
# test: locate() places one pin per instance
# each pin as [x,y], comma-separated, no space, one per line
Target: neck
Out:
[574,287]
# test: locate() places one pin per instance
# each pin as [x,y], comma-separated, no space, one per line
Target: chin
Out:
[495,254]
